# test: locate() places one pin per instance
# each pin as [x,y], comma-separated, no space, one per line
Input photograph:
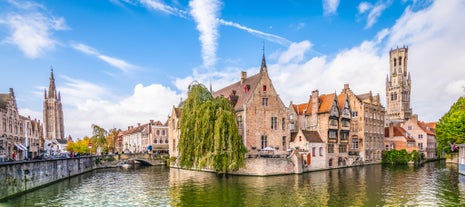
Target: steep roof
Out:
[310,136]
[325,100]
[398,132]
[243,90]
[426,128]
[341,99]
[133,130]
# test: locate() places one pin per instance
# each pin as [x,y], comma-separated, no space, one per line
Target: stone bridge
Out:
[144,158]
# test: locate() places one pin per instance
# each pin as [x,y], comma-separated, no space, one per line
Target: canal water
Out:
[433,184]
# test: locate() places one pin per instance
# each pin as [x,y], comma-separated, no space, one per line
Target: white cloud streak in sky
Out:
[270,37]
[31,30]
[115,62]
[205,14]
[330,6]
[159,6]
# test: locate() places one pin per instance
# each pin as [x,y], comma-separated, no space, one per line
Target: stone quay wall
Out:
[20,177]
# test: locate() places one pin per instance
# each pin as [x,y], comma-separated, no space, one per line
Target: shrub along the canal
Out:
[400,157]
[209,135]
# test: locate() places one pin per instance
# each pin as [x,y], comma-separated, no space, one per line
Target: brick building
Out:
[261,116]
[329,115]
[424,136]
[367,126]
[395,137]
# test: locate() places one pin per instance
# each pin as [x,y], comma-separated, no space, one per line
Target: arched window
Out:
[264,87]
[158,132]
[400,60]
[163,132]
[395,62]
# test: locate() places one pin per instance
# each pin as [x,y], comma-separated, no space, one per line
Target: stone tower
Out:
[53,112]
[398,87]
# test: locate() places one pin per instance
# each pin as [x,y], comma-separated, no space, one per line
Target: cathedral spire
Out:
[51,88]
[263,66]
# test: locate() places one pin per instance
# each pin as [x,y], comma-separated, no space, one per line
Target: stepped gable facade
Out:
[262,117]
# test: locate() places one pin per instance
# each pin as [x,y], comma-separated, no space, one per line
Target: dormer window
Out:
[264,87]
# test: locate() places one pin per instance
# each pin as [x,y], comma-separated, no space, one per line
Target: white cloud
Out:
[295,52]
[363,7]
[115,62]
[159,6]
[330,6]
[270,37]
[86,103]
[31,30]
[374,11]
[205,13]
[436,63]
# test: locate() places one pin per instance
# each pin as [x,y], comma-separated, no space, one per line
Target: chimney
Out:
[151,121]
[138,124]
[315,101]
[243,76]
[346,86]
[415,117]
[129,127]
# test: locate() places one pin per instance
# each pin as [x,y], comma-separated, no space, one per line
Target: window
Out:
[274,122]
[158,132]
[264,101]
[314,151]
[400,60]
[163,132]
[264,87]
[420,136]
[409,127]
[264,141]
[283,123]
[420,146]
[321,151]
[239,122]
[300,138]
[333,122]
[344,135]
[166,141]
[342,148]
[174,144]
[354,143]
[387,147]
[332,134]
[354,114]
[284,142]
[155,141]
[395,62]
[330,148]
[345,122]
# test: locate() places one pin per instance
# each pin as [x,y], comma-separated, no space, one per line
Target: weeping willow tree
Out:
[209,136]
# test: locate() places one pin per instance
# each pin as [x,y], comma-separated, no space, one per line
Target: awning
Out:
[24,147]
[19,147]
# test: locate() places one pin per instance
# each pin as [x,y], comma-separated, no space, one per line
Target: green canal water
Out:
[433,184]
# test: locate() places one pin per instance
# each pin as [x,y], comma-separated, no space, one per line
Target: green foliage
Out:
[451,127]
[209,136]
[400,157]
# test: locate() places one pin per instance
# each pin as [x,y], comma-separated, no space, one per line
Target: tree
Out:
[209,136]
[451,127]
[99,136]
[81,146]
[111,138]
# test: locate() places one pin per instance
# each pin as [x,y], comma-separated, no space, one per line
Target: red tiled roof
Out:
[426,128]
[326,101]
[341,98]
[243,90]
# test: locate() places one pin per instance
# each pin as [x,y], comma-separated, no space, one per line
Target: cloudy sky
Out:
[123,62]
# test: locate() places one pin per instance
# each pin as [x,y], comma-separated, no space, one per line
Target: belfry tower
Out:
[398,87]
[53,112]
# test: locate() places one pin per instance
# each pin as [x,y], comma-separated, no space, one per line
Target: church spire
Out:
[51,88]
[263,66]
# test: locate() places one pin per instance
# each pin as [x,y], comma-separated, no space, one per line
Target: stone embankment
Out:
[25,176]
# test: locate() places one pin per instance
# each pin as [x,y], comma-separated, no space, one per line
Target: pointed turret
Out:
[263,66]
[51,88]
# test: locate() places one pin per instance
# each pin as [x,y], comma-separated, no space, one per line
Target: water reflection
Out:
[434,184]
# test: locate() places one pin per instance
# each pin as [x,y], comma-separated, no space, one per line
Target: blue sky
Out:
[123,62]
